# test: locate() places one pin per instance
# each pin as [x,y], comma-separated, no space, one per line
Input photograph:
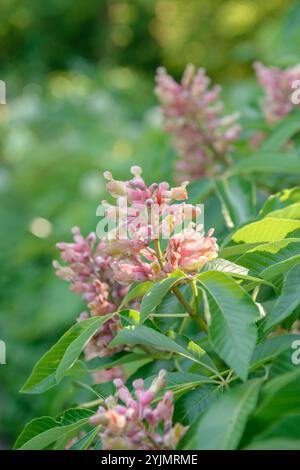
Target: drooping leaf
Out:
[52,367]
[41,432]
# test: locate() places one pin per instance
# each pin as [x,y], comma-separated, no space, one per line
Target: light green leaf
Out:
[266,230]
[280,200]
[42,432]
[270,259]
[52,367]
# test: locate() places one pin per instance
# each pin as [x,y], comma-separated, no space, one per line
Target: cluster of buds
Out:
[193,115]
[135,424]
[279,86]
[153,212]
[90,275]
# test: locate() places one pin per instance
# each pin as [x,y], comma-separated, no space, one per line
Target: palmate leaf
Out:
[222,425]
[42,432]
[231,318]
[52,367]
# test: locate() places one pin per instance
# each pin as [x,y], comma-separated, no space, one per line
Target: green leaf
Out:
[268,162]
[288,300]
[266,351]
[281,393]
[270,259]
[155,295]
[282,133]
[238,199]
[266,230]
[118,359]
[138,290]
[199,190]
[290,212]
[222,426]
[193,403]
[52,367]
[274,444]
[234,270]
[280,200]
[85,442]
[42,432]
[151,338]
[178,380]
[231,317]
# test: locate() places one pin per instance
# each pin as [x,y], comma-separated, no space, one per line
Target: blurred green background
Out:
[79,78]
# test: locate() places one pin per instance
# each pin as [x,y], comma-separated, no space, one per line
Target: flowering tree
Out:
[188,342]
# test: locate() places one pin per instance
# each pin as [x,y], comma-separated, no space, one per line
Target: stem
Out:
[177,292]
[169,315]
[91,404]
[196,298]
[159,254]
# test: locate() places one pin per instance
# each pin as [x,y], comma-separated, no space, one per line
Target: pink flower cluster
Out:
[278,87]
[134,258]
[135,424]
[90,275]
[193,115]
[101,272]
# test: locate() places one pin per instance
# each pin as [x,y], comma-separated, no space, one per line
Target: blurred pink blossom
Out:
[278,87]
[193,115]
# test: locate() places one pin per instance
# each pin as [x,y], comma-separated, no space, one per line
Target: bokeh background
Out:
[80,77]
